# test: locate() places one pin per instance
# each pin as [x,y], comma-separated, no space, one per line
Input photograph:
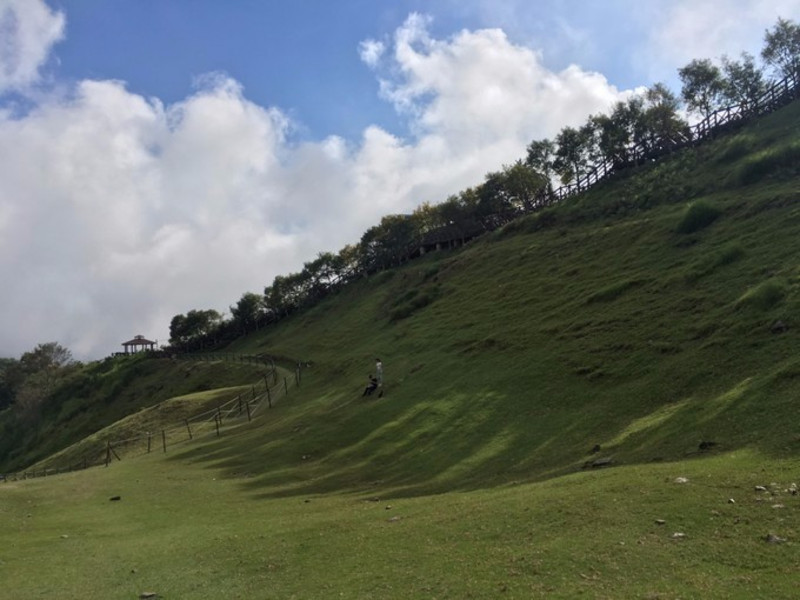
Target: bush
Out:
[613,291]
[736,148]
[412,304]
[768,162]
[725,256]
[764,296]
[697,216]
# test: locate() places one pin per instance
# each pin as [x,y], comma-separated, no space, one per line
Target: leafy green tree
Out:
[615,133]
[744,81]
[660,119]
[493,195]
[321,273]
[702,86]
[278,298]
[524,184]
[573,152]
[428,217]
[193,327]
[386,244]
[540,156]
[782,48]
[347,262]
[248,312]
[7,368]
[34,376]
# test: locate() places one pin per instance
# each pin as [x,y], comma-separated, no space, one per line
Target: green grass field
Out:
[190,531]
[633,326]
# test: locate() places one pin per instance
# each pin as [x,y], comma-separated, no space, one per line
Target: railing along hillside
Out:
[777,95]
[238,409]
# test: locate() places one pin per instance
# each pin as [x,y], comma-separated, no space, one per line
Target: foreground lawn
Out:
[184,531]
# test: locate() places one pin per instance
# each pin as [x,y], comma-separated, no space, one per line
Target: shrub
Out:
[613,291]
[413,303]
[736,148]
[764,296]
[725,256]
[697,216]
[768,162]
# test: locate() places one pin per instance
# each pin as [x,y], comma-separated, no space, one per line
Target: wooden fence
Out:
[216,421]
[777,95]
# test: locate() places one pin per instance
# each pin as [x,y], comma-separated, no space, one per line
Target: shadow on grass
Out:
[457,441]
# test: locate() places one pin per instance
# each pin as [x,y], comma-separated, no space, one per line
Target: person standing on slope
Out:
[379,375]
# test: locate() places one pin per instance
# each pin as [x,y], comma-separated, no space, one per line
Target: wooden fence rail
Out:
[777,95]
[233,412]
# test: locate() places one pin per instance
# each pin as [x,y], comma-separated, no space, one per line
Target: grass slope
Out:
[637,318]
[100,394]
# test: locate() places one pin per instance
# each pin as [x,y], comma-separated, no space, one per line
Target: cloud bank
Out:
[28,29]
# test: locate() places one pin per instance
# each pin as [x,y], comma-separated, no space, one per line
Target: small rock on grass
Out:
[681,480]
[678,535]
[774,539]
[148,595]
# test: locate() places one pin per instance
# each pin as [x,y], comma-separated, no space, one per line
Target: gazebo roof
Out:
[139,340]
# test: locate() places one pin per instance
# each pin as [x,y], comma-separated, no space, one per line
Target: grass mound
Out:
[698,215]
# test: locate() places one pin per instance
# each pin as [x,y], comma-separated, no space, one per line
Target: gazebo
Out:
[138,344]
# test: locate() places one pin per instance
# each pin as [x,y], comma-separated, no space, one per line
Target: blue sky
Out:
[162,155]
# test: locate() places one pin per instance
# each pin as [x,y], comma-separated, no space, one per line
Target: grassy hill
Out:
[633,327]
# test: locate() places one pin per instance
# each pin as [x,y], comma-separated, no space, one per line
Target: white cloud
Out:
[117,212]
[371,51]
[682,30]
[28,29]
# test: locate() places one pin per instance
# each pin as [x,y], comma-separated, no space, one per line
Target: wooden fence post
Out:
[164,440]
[247,406]
[269,397]
[216,422]
[189,429]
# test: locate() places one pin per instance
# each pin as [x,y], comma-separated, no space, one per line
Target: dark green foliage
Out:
[613,291]
[764,296]
[719,258]
[735,148]
[770,162]
[412,301]
[697,216]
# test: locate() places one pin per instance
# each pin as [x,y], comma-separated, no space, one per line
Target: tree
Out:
[193,327]
[782,48]
[248,311]
[702,86]
[34,376]
[7,368]
[744,82]
[614,134]
[524,185]
[660,121]
[386,244]
[46,357]
[540,157]
[573,151]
